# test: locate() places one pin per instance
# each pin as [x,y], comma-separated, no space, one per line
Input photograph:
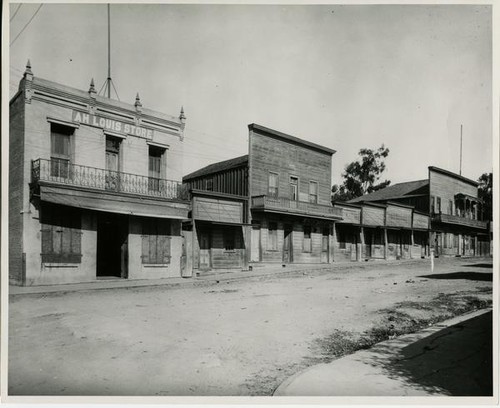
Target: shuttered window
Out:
[61,234]
[155,241]
[156,165]
[60,138]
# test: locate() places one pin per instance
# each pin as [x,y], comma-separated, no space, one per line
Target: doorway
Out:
[287,244]
[112,246]
[112,163]
[204,249]
[325,245]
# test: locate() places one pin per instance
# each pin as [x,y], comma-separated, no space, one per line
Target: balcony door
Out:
[112,163]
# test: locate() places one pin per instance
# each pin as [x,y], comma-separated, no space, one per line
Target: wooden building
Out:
[272,205]
[451,203]
[93,190]
[380,231]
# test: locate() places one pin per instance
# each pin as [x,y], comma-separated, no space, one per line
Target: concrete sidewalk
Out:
[453,358]
[212,277]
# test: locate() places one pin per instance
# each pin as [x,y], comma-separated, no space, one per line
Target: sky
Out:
[343,76]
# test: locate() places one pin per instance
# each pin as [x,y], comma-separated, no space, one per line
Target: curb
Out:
[410,337]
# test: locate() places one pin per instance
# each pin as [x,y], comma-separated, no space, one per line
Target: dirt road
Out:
[234,338]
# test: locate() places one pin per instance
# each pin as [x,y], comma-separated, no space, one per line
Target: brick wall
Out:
[16,160]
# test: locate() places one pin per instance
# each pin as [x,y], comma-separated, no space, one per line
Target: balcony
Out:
[285,205]
[63,173]
[457,220]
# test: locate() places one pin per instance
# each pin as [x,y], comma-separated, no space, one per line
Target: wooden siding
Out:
[420,220]
[232,181]
[350,215]
[373,215]
[287,159]
[447,187]
[398,216]
[212,209]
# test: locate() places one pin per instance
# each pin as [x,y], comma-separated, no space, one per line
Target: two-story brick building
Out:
[451,203]
[94,187]
[272,205]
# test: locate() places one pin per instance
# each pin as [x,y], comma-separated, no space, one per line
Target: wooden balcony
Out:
[457,220]
[61,172]
[285,205]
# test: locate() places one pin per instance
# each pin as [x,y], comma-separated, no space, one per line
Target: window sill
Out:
[60,265]
[155,265]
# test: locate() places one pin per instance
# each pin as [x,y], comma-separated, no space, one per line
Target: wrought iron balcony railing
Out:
[457,220]
[62,172]
[266,202]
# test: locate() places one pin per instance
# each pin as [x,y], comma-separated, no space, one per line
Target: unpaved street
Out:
[233,338]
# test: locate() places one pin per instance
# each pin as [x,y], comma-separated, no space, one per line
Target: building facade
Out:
[95,187]
[272,205]
[451,203]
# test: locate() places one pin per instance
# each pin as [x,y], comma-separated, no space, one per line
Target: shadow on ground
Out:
[455,361]
[476,276]
[479,265]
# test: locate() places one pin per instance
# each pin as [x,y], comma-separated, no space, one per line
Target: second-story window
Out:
[156,155]
[112,163]
[294,188]
[438,205]
[313,192]
[450,207]
[60,139]
[273,185]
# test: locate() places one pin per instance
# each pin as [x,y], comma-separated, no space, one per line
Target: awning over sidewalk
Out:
[115,203]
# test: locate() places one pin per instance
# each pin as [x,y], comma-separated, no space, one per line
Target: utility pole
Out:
[461,126]
[109,53]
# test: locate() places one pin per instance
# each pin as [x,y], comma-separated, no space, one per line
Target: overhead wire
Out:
[27,24]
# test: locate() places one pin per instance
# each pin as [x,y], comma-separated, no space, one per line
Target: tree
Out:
[360,177]
[485,191]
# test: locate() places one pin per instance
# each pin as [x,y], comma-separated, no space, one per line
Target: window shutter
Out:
[46,241]
[145,249]
[164,252]
[76,244]
[153,249]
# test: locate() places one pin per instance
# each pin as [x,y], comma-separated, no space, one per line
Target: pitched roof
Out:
[392,192]
[219,166]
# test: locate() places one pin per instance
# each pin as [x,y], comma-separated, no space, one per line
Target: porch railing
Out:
[457,220]
[62,172]
[292,206]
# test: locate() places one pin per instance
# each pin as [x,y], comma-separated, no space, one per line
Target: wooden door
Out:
[325,245]
[287,245]
[205,250]
[255,251]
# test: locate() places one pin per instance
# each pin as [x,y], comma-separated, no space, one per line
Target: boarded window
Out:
[272,242]
[61,234]
[313,192]
[60,138]
[307,244]
[273,185]
[155,241]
